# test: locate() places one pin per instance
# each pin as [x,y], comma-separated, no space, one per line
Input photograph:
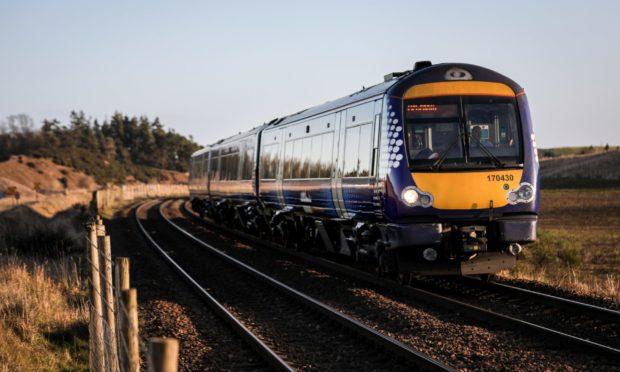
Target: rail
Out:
[427,296]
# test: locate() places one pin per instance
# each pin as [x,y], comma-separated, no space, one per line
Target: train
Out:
[434,171]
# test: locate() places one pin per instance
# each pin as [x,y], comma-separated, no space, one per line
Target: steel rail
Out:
[429,297]
[396,347]
[268,355]
[551,299]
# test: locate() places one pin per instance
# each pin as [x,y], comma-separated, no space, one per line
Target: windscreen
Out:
[464,132]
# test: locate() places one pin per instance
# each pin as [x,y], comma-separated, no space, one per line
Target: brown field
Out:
[579,242]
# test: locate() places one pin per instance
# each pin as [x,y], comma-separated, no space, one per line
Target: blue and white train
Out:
[433,171]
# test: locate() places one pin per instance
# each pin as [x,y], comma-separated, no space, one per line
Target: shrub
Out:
[554,250]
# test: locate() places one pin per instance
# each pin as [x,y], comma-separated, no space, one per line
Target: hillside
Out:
[597,170]
[25,172]
[119,150]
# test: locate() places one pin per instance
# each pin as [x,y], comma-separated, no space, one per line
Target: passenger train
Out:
[433,171]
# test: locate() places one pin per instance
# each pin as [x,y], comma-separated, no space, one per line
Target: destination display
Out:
[425,111]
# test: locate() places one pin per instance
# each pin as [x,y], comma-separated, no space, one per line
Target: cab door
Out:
[355,177]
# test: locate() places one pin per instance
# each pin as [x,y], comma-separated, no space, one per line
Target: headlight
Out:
[523,194]
[414,197]
[410,197]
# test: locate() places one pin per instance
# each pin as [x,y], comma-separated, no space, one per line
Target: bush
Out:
[554,249]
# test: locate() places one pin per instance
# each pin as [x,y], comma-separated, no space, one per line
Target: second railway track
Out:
[587,351]
[305,333]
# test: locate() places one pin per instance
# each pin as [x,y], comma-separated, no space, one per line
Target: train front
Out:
[461,169]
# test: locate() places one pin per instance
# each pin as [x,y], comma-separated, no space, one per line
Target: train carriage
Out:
[433,171]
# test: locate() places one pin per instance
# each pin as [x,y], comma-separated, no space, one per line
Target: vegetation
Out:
[111,151]
[578,242]
[44,318]
[43,312]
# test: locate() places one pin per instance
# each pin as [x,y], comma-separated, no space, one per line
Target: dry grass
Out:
[43,323]
[43,317]
[579,243]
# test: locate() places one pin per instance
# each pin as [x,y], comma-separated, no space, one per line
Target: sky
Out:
[211,69]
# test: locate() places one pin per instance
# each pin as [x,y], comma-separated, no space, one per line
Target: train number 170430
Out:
[500,177]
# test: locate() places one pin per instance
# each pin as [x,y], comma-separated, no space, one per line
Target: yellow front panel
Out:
[459,88]
[468,190]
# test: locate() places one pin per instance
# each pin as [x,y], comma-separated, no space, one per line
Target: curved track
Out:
[479,310]
[315,340]
[268,355]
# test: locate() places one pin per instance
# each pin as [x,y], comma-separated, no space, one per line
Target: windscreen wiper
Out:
[489,154]
[444,155]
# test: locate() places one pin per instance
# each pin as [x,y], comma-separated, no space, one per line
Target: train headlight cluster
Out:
[522,194]
[414,197]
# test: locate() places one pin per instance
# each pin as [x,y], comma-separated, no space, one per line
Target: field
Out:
[598,170]
[579,242]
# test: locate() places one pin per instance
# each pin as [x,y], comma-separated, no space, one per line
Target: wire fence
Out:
[114,342]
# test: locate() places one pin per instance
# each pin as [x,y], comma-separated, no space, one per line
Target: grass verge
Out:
[43,312]
[578,245]
[561,259]
[44,317]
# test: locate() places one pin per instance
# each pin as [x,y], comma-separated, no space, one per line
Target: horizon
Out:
[193,65]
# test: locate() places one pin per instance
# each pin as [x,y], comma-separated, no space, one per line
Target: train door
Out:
[355,176]
[337,173]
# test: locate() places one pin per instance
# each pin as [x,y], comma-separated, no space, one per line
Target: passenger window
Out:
[306,153]
[214,164]
[315,157]
[365,150]
[269,161]
[326,156]
[358,151]
[350,152]
[248,163]
[296,160]
[288,160]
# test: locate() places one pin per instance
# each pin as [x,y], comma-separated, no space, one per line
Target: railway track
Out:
[271,359]
[572,322]
[289,328]
[606,347]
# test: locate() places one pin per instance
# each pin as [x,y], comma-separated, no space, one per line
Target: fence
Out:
[116,196]
[114,343]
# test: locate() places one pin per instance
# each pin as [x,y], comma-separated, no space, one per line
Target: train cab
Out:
[462,171]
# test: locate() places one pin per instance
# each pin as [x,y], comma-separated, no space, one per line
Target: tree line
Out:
[112,150]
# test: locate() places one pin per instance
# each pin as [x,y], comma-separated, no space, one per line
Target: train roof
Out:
[340,102]
[225,141]
[395,84]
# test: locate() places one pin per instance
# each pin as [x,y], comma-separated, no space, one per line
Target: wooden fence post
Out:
[109,295]
[163,355]
[129,330]
[122,274]
[96,312]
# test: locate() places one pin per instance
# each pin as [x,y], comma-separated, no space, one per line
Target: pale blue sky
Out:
[214,68]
